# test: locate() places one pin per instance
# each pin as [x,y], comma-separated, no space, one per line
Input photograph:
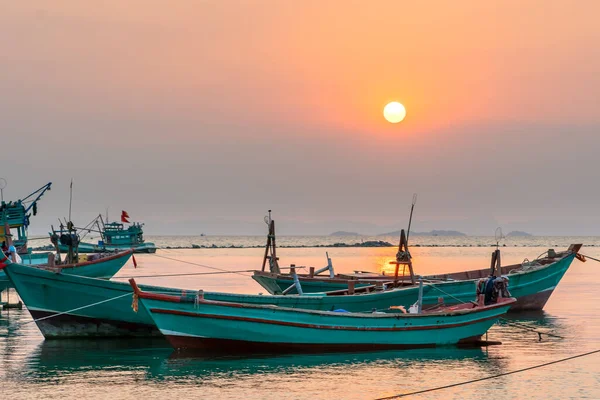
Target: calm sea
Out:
[132,369]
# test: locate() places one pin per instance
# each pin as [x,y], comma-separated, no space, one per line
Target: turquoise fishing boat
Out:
[531,282]
[226,327]
[114,236]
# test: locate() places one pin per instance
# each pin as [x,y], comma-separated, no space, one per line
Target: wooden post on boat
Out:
[498,264]
[311,272]
[271,248]
[351,287]
[403,258]
[493,263]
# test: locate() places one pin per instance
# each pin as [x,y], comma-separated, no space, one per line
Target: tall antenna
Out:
[70,199]
[412,207]
[3,184]
[498,236]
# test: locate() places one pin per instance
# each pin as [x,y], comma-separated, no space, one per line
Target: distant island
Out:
[344,233]
[518,234]
[430,233]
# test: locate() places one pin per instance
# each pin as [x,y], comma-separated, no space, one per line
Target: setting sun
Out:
[394,112]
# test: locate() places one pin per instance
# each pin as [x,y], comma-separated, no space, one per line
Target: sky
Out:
[199,116]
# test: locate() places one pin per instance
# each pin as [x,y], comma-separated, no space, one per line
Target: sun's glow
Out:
[394,112]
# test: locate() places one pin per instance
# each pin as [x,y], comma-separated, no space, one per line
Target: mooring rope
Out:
[188,274]
[242,273]
[591,258]
[199,265]
[396,396]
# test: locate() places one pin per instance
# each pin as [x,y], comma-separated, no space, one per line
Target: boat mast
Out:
[403,256]
[271,248]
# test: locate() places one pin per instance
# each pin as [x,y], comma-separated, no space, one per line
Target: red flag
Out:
[124,217]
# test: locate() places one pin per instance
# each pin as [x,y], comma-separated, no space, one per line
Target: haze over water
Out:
[34,368]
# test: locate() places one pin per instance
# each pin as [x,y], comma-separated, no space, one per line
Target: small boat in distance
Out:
[114,236]
[195,323]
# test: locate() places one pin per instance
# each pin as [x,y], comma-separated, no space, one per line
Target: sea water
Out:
[31,367]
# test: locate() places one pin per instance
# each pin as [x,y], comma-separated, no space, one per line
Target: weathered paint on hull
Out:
[532,302]
[76,326]
[210,345]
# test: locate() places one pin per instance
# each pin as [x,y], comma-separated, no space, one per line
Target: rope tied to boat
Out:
[135,302]
[74,309]
[504,320]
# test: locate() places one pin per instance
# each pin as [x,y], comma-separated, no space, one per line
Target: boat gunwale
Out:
[58,268]
[338,327]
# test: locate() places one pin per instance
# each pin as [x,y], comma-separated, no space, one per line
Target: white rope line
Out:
[77,309]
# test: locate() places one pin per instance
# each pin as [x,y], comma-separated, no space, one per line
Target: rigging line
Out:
[529,328]
[446,293]
[198,265]
[190,274]
[591,258]
[396,396]
[76,309]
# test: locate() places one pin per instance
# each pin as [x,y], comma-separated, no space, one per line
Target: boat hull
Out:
[47,294]
[231,328]
[532,289]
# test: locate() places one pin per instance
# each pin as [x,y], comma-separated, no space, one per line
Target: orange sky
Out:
[206,83]
[333,63]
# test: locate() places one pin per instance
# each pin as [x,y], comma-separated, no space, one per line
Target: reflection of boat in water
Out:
[106,359]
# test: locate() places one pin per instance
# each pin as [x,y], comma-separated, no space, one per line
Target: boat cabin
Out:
[115,234]
[14,215]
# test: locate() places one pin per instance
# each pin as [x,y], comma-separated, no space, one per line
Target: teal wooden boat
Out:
[114,236]
[226,327]
[531,283]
